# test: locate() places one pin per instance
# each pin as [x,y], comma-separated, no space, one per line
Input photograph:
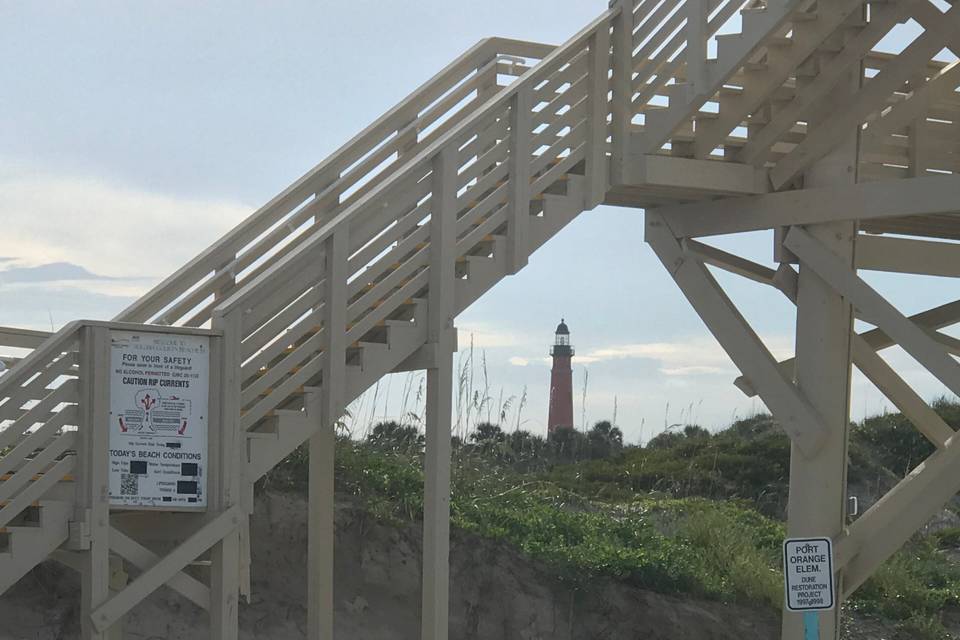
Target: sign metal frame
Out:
[787,575]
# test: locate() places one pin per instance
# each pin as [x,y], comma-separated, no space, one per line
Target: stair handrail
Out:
[219,263]
[306,251]
[54,345]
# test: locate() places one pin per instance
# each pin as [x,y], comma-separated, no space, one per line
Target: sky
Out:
[133,134]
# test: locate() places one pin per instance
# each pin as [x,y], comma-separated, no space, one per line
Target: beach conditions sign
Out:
[808,574]
[159,402]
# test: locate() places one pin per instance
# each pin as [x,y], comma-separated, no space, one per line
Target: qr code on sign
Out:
[129,484]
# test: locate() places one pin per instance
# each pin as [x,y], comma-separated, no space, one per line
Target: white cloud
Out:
[109,229]
[691,370]
[518,361]
[486,337]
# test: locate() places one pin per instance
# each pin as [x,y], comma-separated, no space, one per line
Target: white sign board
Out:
[159,400]
[808,573]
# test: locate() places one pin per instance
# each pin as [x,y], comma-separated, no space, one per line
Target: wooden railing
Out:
[39,416]
[492,169]
[188,296]
[14,342]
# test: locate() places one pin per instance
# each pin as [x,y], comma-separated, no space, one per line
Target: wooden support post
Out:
[226,490]
[598,69]
[795,413]
[436,500]
[818,480]
[622,83]
[328,406]
[434,621]
[118,580]
[93,485]
[224,587]
[518,224]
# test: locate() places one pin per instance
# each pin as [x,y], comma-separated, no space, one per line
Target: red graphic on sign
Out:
[148,401]
[123,427]
[182,428]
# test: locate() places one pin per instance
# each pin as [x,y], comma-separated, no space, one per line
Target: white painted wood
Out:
[893,519]
[214,530]
[911,196]
[817,502]
[93,483]
[142,558]
[224,584]
[884,17]
[881,374]
[621,104]
[22,338]
[434,616]
[936,318]
[917,104]
[825,136]
[728,262]
[699,176]
[798,418]
[696,51]
[597,109]
[436,513]
[874,308]
[519,187]
[905,255]
[32,545]
[327,409]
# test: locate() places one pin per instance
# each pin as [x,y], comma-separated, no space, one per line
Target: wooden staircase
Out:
[468,176]
[31,536]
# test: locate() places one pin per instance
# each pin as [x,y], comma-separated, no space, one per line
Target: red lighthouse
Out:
[561,381]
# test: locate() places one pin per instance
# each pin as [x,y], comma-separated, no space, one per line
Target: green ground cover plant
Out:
[690,512]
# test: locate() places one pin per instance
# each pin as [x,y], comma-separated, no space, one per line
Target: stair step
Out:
[22,547]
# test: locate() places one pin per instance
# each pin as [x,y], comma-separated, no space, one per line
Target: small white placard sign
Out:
[159,400]
[808,574]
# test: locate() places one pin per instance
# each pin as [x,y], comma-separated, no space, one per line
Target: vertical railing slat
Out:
[520,136]
[596,166]
[697,35]
[622,83]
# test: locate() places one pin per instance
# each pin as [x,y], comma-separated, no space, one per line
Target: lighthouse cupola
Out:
[561,381]
[561,341]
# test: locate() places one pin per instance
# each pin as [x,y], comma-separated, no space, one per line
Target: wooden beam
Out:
[435,592]
[904,255]
[911,405]
[598,108]
[874,308]
[935,318]
[160,573]
[799,419]
[93,484]
[326,406]
[22,338]
[143,558]
[621,83]
[518,222]
[914,107]
[892,520]
[729,262]
[885,16]
[894,198]
[697,176]
[871,98]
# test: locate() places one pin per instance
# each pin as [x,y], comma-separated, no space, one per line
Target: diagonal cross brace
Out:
[864,355]
[143,558]
[799,418]
[111,611]
[874,308]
